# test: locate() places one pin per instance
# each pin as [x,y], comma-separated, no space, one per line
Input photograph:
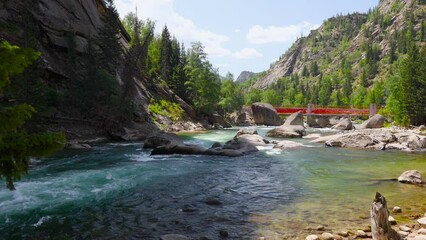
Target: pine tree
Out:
[16,145]
[108,39]
[166,56]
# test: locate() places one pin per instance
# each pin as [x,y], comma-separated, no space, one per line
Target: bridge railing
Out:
[310,109]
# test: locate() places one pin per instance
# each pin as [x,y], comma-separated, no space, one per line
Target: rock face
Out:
[215,118]
[287,132]
[244,76]
[265,114]
[344,124]
[375,121]
[295,119]
[411,177]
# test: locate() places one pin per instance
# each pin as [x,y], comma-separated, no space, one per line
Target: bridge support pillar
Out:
[373,110]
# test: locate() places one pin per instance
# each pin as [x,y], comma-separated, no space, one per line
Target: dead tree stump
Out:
[380,226]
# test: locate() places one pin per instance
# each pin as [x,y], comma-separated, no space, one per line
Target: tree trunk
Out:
[380,226]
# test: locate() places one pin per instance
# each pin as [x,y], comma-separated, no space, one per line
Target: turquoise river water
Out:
[118,191]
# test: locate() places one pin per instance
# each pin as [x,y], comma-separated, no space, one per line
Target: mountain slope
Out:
[347,56]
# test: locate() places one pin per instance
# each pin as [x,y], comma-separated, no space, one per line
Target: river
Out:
[118,191]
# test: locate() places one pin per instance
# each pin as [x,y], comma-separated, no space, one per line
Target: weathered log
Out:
[380,226]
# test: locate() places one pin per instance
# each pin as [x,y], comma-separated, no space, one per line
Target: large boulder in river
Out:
[295,119]
[376,121]
[411,177]
[215,118]
[344,124]
[352,140]
[265,114]
[244,131]
[288,131]
[162,139]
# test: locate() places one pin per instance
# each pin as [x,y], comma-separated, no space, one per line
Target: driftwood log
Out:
[380,226]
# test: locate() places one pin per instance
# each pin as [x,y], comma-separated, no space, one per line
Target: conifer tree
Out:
[16,145]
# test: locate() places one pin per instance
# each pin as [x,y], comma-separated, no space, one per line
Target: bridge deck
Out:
[324,111]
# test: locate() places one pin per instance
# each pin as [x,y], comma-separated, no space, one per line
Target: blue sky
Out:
[241,34]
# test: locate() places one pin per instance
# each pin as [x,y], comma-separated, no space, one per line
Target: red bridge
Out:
[327,111]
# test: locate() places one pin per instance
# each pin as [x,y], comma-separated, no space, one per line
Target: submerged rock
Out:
[77,146]
[288,145]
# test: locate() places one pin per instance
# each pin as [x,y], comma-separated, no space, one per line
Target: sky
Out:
[241,35]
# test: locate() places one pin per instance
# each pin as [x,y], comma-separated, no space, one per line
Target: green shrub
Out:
[166,108]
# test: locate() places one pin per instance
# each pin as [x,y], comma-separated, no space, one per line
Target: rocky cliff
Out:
[62,29]
[244,76]
[345,40]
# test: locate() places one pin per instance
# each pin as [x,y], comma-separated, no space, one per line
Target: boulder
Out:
[244,119]
[344,124]
[327,236]
[392,220]
[241,146]
[215,118]
[312,237]
[422,222]
[287,132]
[243,131]
[376,121]
[312,136]
[352,140]
[162,139]
[323,122]
[265,114]
[397,209]
[217,126]
[411,177]
[416,142]
[324,139]
[397,146]
[287,145]
[312,121]
[233,148]
[294,119]
[253,139]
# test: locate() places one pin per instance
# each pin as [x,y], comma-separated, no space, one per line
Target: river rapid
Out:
[118,191]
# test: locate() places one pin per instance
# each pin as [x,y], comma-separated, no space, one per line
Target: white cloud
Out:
[247,53]
[162,12]
[275,34]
